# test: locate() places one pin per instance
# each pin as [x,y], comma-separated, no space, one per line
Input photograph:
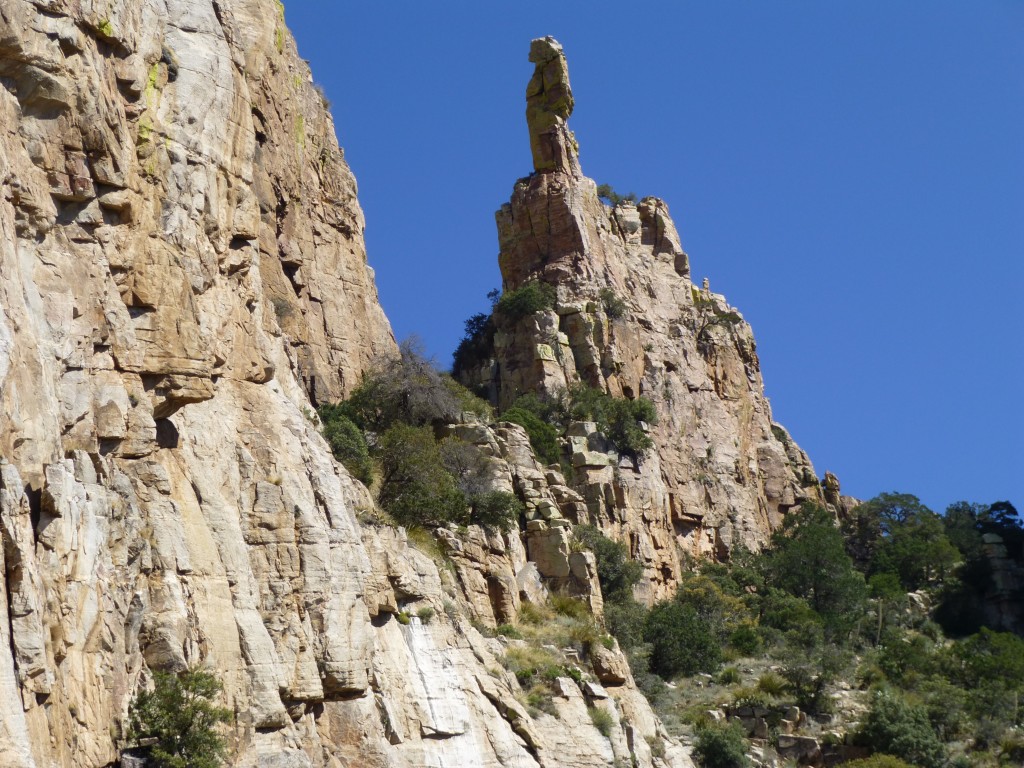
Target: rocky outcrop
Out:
[1003,602]
[549,104]
[182,277]
[629,321]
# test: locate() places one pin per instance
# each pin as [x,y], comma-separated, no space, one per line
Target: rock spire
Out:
[549,104]
[628,320]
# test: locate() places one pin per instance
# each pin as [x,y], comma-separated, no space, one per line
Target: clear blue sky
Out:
[849,174]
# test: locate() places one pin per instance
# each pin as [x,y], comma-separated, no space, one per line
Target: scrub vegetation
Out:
[863,622]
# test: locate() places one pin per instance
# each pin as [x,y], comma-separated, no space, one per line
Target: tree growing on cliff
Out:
[613,198]
[181,718]
[407,389]
[416,489]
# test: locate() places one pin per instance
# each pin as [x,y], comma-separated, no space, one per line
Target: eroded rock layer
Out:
[629,321]
[182,277]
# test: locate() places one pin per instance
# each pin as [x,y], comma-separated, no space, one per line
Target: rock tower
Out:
[629,321]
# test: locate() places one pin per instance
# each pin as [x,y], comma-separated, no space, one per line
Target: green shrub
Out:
[416,489]
[467,400]
[618,419]
[572,607]
[539,698]
[707,319]
[476,345]
[407,389]
[531,297]
[508,630]
[606,193]
[721,746]
[180,715]
[530,613]
[543,436]
[895,727]
[878,761]
[625,619]
[906,657]
[499,509]
[810,666]
[749,696]
[746,640]
[602,720]
[531,665]
[614,307]
[1011,749]
[467,464]
[772,684]
[681,641]
[425,614]
[729,676]
[808,560]
[347,443]
[946,705]
[472,472]
[616,571]
[621,424]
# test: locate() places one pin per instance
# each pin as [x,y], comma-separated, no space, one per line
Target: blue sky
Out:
[849,174]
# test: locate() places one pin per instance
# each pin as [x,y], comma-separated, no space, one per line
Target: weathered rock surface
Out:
[182,275]
[629,320]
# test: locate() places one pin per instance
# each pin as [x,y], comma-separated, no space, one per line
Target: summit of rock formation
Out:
[549,104]
[183,279]
[629,321]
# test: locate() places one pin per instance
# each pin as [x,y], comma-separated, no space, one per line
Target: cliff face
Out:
[629,321]
[182,275]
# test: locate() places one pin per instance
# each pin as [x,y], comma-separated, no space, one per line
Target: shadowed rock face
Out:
[722,473]
[182,276]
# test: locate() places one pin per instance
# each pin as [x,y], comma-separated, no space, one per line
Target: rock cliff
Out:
[628,320]
[182,278]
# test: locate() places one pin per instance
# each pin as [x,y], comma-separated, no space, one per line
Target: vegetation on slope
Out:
[826,610]
[390,430]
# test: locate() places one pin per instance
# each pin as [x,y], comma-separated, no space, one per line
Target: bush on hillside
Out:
[681,641]
[527,299]
[895,727]
[408,389]
[499,509]
[878,761]
[808,560]
[721,745]
[616,571]
[618,419]
[610,196]
[416,489]
[543,436]
[347,443]
[476,344]
[614,306]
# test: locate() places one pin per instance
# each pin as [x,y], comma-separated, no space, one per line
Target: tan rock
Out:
[183,277]
[721,473]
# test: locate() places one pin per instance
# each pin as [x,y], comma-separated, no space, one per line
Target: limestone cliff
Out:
[629,320]
[182,277]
